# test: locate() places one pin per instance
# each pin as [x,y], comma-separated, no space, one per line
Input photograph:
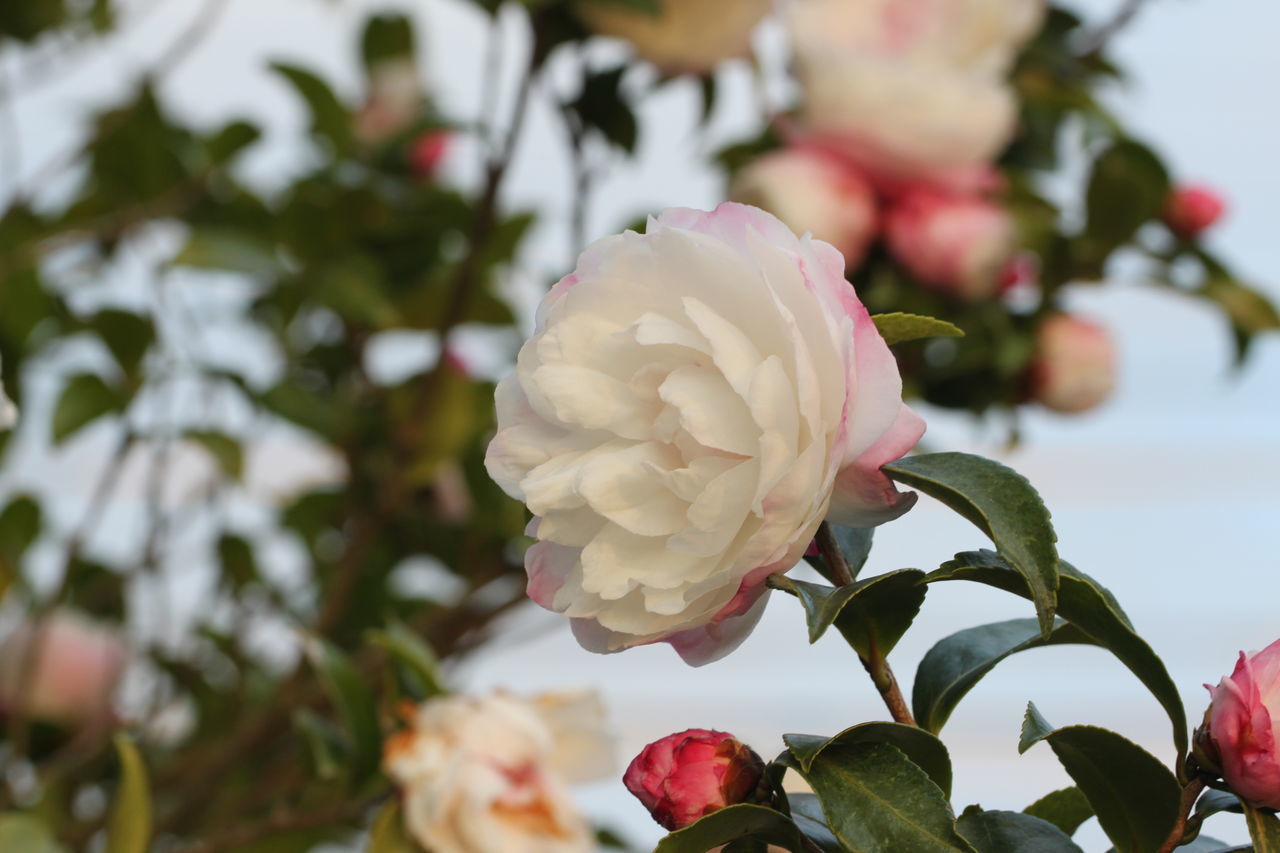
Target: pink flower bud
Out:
[1191,209]
[63,669]
[689,775]
[955,244]
[1075,365]
[1241,727]
[811,191]
[426,151]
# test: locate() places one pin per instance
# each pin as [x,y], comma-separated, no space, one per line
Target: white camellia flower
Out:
[694,401]
[583,747]
[478,775]
[911,88]
[811,191]
[687,36]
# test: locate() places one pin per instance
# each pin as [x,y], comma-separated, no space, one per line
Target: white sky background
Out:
[1170,495]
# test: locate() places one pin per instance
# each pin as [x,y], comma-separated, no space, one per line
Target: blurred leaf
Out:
[25,833]
[1091,608]
[25,21]
[232,250]
[354,702]
[224,449]
[413,652]
[957,663]
[129,825]
[387,834]
[1066,809]
[872,614]
[324,743]
[386,37]
[1002,504]
[85,398]
[924,749]
[1127,188]
[127,335]
[235,556]
[878,801]
[1011,832]
[899,328]
[648,7]
[726,825]
[233,138]
[137,154]
[1135,797]
[603,106]
[330,120]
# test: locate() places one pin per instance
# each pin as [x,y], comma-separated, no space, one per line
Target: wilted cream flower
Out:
[480,774]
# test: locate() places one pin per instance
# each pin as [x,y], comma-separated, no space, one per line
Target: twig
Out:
[1189,795]
[875,663]
[284,821]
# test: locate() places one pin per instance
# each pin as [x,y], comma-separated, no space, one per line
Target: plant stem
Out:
[875,663]
[1189,795]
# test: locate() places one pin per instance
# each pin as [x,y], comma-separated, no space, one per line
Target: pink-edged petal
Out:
[864,496]
[708,643]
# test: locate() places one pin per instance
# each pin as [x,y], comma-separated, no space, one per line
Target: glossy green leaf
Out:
[806,811]
[85,398]
[855,545]
[872,614]
[129,824]
[1205,844]
[414,654]
[923,749]
[957,663]
[224,449]
[1213,801]
[1264,829]
[1091,608]
[1012,832]
[25,833]
[1066,809]
[732,823]
[879,801]
[1003,505]
[898,328]
[387,834]
[1135,797]
[353,701]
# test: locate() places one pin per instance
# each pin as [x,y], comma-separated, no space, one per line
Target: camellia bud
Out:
[812,191]
[1239,732]
[686,776]
[62,669]
[955,244]
[426,151]
[1192,209]
[1075,365]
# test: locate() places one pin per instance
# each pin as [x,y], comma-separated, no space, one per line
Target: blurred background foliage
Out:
[409,555]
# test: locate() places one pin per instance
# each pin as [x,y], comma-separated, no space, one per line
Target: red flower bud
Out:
[426,151]
[1191,209]
[689,775]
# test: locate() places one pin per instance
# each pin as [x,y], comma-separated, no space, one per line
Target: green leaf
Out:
[230,140]
[1205,844]
[235,556]
[128,337]
[324,743]
[1264,829]
[806,811]
[224,449]
[923,749]
[24,833]
[129,825]
[354,702]
[1093,609]
[85,398]
[898,328]
[1012,832]
[1003,505]
[957,663]
[329,118]
[603,106]
[20,524]
[1128,188]
[413,652]
[1212,802]
[230,249]
[855,545]
[386,37]
[387,834]
[1136,798]
[647,7]
[729,824]
[1065,809]
[872,614]
[878,801]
